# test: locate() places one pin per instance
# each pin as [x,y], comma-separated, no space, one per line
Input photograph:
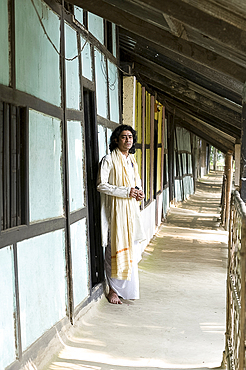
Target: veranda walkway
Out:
[179,322]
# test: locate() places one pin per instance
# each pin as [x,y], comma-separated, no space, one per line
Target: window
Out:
[108,36]
[12,165]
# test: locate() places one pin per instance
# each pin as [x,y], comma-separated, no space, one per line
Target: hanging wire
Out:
[103,68]
[111,85]
[49,39]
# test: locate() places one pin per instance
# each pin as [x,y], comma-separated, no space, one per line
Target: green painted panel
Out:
[72,69]
[76,162]
[45,167]
[37,62]
[4,43]
[80,261]
[42,284]
[7,340]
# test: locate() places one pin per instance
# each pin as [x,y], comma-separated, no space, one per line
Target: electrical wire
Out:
[49,39]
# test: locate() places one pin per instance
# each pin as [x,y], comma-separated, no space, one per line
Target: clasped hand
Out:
[137,194]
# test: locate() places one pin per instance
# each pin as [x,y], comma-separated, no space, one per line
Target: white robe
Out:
[124,288]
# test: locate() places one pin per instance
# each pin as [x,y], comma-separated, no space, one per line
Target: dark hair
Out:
[115,137]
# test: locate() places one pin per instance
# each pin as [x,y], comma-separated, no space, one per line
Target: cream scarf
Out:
[122,221]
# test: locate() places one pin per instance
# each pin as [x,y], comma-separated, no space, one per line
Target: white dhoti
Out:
[126,289]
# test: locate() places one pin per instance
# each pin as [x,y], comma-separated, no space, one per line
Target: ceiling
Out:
[190,53]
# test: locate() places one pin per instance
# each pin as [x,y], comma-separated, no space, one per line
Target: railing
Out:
[220,168]
[235,320]
[222,202]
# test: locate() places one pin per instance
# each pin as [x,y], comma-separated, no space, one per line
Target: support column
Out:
[228,173]
[215,159]
[203,158]
[237,165]
[129,100]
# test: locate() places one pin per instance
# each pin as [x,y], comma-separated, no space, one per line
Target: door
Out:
[93,197]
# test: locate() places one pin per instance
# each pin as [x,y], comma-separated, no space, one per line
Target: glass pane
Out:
[86,59]
[101,84]
[72,69]
[113,92]
[78,14]
[102,142]
[114,40]
[95,26]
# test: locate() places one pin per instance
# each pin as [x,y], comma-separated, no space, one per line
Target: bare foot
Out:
[113,297]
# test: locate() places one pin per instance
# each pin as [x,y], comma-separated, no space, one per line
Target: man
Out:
[120,187]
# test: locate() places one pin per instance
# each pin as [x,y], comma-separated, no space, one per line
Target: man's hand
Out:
[140,195]
[137,194]
[133,193]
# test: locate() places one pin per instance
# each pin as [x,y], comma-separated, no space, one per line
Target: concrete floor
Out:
[179,322]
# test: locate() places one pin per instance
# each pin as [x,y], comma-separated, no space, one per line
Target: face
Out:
[125,141]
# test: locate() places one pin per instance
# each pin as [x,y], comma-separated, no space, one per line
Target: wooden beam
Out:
[193,109]
[197,126]
[187,91]
[207,24]
[160,36]
[206,137]
[223,80]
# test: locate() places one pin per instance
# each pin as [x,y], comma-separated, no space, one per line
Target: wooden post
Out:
[152,128]
[237,164]
[170,132]
[203,158]
[228,173]
[215,159]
